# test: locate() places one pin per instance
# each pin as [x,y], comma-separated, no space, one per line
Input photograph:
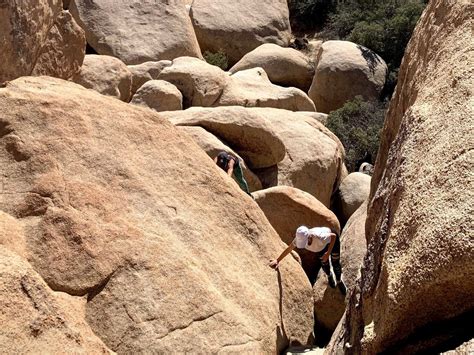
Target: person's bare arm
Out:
[275,263]
[331,245]
[231,167]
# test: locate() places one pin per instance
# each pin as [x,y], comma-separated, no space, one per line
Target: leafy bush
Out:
[308,13]
[358,124]
[219,59]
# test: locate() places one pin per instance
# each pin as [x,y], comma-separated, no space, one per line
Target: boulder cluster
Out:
[118,232]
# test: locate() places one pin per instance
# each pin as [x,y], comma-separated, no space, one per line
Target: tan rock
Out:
[146,31]
[287,208]
[166,249]
[159,95]
[32,318]
[419,271]
[284,66]
[38,33]
[345,70]
[141,73]
[252,88]
[12,236]
[329,303]
[244,130]
[64,49]
[238,27]
[106,75]
[213,146]
[352,193]
[200,83]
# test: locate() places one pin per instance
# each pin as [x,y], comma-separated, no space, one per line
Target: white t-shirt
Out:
[321,238]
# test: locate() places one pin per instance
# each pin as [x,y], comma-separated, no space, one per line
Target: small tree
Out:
[358,124]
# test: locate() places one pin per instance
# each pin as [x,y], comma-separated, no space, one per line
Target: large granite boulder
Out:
[37,37]
[353,191]
[137,32]
[287,208]
[284,66]
[244,130]
[106,75]
[329,303]
[141,73]
[206,85]
[159,95]
[288,148]
[164,249]
[238,27]
[417,280]
[213,146]
[344,71]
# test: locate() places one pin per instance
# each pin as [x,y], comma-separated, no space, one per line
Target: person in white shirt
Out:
[324,242]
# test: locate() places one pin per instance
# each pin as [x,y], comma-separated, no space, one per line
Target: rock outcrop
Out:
[141,73]
[139,32]
[206,85]
[164,248]
[329,303]
[284,66]
[238,27]
[288,148]
[345,70]
[351,194]
[418,276]
[159,95]
[213,146]
[106,75]
[37,37]
[288,208]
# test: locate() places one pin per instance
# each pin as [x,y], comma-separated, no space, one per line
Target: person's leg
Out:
[335,258]
[326,267]
[239,176]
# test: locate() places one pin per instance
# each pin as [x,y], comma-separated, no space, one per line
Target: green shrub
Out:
[219,59]
[358,124]
[310,13]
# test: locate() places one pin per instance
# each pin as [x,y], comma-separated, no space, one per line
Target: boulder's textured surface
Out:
[238,27]
[345,70]
[284,66]
[252,88]
[166,249]
[206,85]
[139,32]
[246,131]
[352,193]
[288,208]
[38,33]
[288,148]
[63,51]
[200,83]
[329,303]
[141,73]
[105,74]
[418,275]
[12,235]
[213,146]
[33,319]
[159,95]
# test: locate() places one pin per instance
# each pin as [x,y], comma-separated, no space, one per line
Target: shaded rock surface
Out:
[158,95]
[345,70]
[106,75]
[417,279]
[37,37]
[284,66]
[287,208]
[238,27]
[139,32]
[106,207]
[213,146]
